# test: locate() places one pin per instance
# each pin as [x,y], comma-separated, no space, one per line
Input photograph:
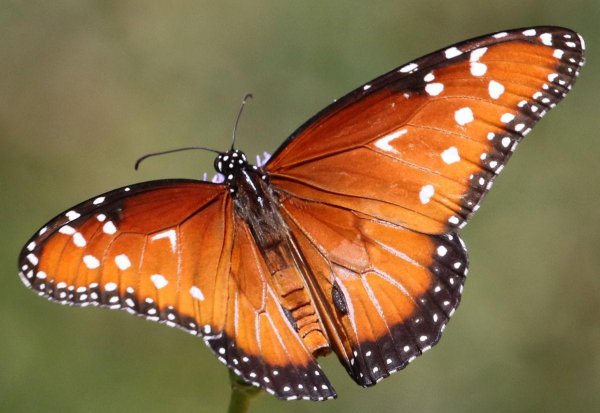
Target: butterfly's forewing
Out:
[421,145]
[173,251]
[390,290]
[153,249]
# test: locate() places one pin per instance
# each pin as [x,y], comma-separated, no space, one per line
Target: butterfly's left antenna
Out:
[246,97]
[189,148]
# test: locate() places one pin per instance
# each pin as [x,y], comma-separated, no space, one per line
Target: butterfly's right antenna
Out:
[246,97]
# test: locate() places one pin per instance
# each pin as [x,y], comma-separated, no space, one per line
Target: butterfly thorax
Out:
[253,198]
[257,205]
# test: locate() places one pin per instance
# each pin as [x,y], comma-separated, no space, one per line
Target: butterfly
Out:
[345,241]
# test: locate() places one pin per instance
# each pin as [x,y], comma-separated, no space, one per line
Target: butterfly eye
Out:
[219,164]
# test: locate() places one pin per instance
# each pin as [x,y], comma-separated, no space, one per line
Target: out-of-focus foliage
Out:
[88,86]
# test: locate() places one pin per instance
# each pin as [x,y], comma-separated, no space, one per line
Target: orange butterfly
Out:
[345,241]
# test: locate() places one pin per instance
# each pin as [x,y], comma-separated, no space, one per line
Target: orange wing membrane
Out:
[421,145]
[345,241]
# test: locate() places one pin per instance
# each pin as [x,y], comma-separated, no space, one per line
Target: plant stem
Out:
[241,394]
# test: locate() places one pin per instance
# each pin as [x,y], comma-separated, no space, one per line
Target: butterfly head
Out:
[228,163]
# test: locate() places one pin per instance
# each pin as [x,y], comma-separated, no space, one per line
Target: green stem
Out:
[241,394]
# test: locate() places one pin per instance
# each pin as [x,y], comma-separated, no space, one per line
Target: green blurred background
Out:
[88,86]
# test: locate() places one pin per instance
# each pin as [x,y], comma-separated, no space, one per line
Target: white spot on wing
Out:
[170,234]
[79,240]
[507,117]
[110,286]
[91,262]
[453,220]
[32,259]
[477,54]
[450,155]
[426,193]
[529,32]
[495,89]
[478,69]
[122,262]
[546,39]
[67,230]
[159,281]
[99,200]
[196,293]
[452,52]
[408,68]
[109,228]
[434,89]
[72,215]
[384,143]
[463,116]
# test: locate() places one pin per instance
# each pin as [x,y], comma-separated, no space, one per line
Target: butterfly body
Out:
[346,241]
[257,206]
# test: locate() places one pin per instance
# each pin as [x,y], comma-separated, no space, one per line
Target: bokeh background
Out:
[88,86]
